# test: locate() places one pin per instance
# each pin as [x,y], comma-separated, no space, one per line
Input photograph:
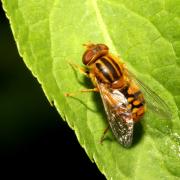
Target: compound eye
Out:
[93,52]
[87,56]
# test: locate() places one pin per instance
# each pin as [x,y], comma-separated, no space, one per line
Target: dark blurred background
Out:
[32,135]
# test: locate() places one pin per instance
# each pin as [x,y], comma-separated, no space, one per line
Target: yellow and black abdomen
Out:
[136,101]
[107,70]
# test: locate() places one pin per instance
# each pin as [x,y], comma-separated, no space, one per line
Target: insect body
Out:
[123,101]
[122,98]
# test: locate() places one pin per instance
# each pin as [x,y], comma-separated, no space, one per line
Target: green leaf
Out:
[146,34]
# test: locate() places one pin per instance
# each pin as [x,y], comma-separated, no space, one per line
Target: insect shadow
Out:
[86,82]
[138,133]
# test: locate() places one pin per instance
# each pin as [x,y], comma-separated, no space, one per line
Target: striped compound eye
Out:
[93,52]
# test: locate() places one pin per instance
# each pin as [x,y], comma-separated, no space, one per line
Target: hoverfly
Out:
[122,98]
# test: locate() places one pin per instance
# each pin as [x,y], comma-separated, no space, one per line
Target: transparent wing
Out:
[153,101]
[119,115]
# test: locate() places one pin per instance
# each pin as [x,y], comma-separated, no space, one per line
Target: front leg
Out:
[82,70]
[83,90]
